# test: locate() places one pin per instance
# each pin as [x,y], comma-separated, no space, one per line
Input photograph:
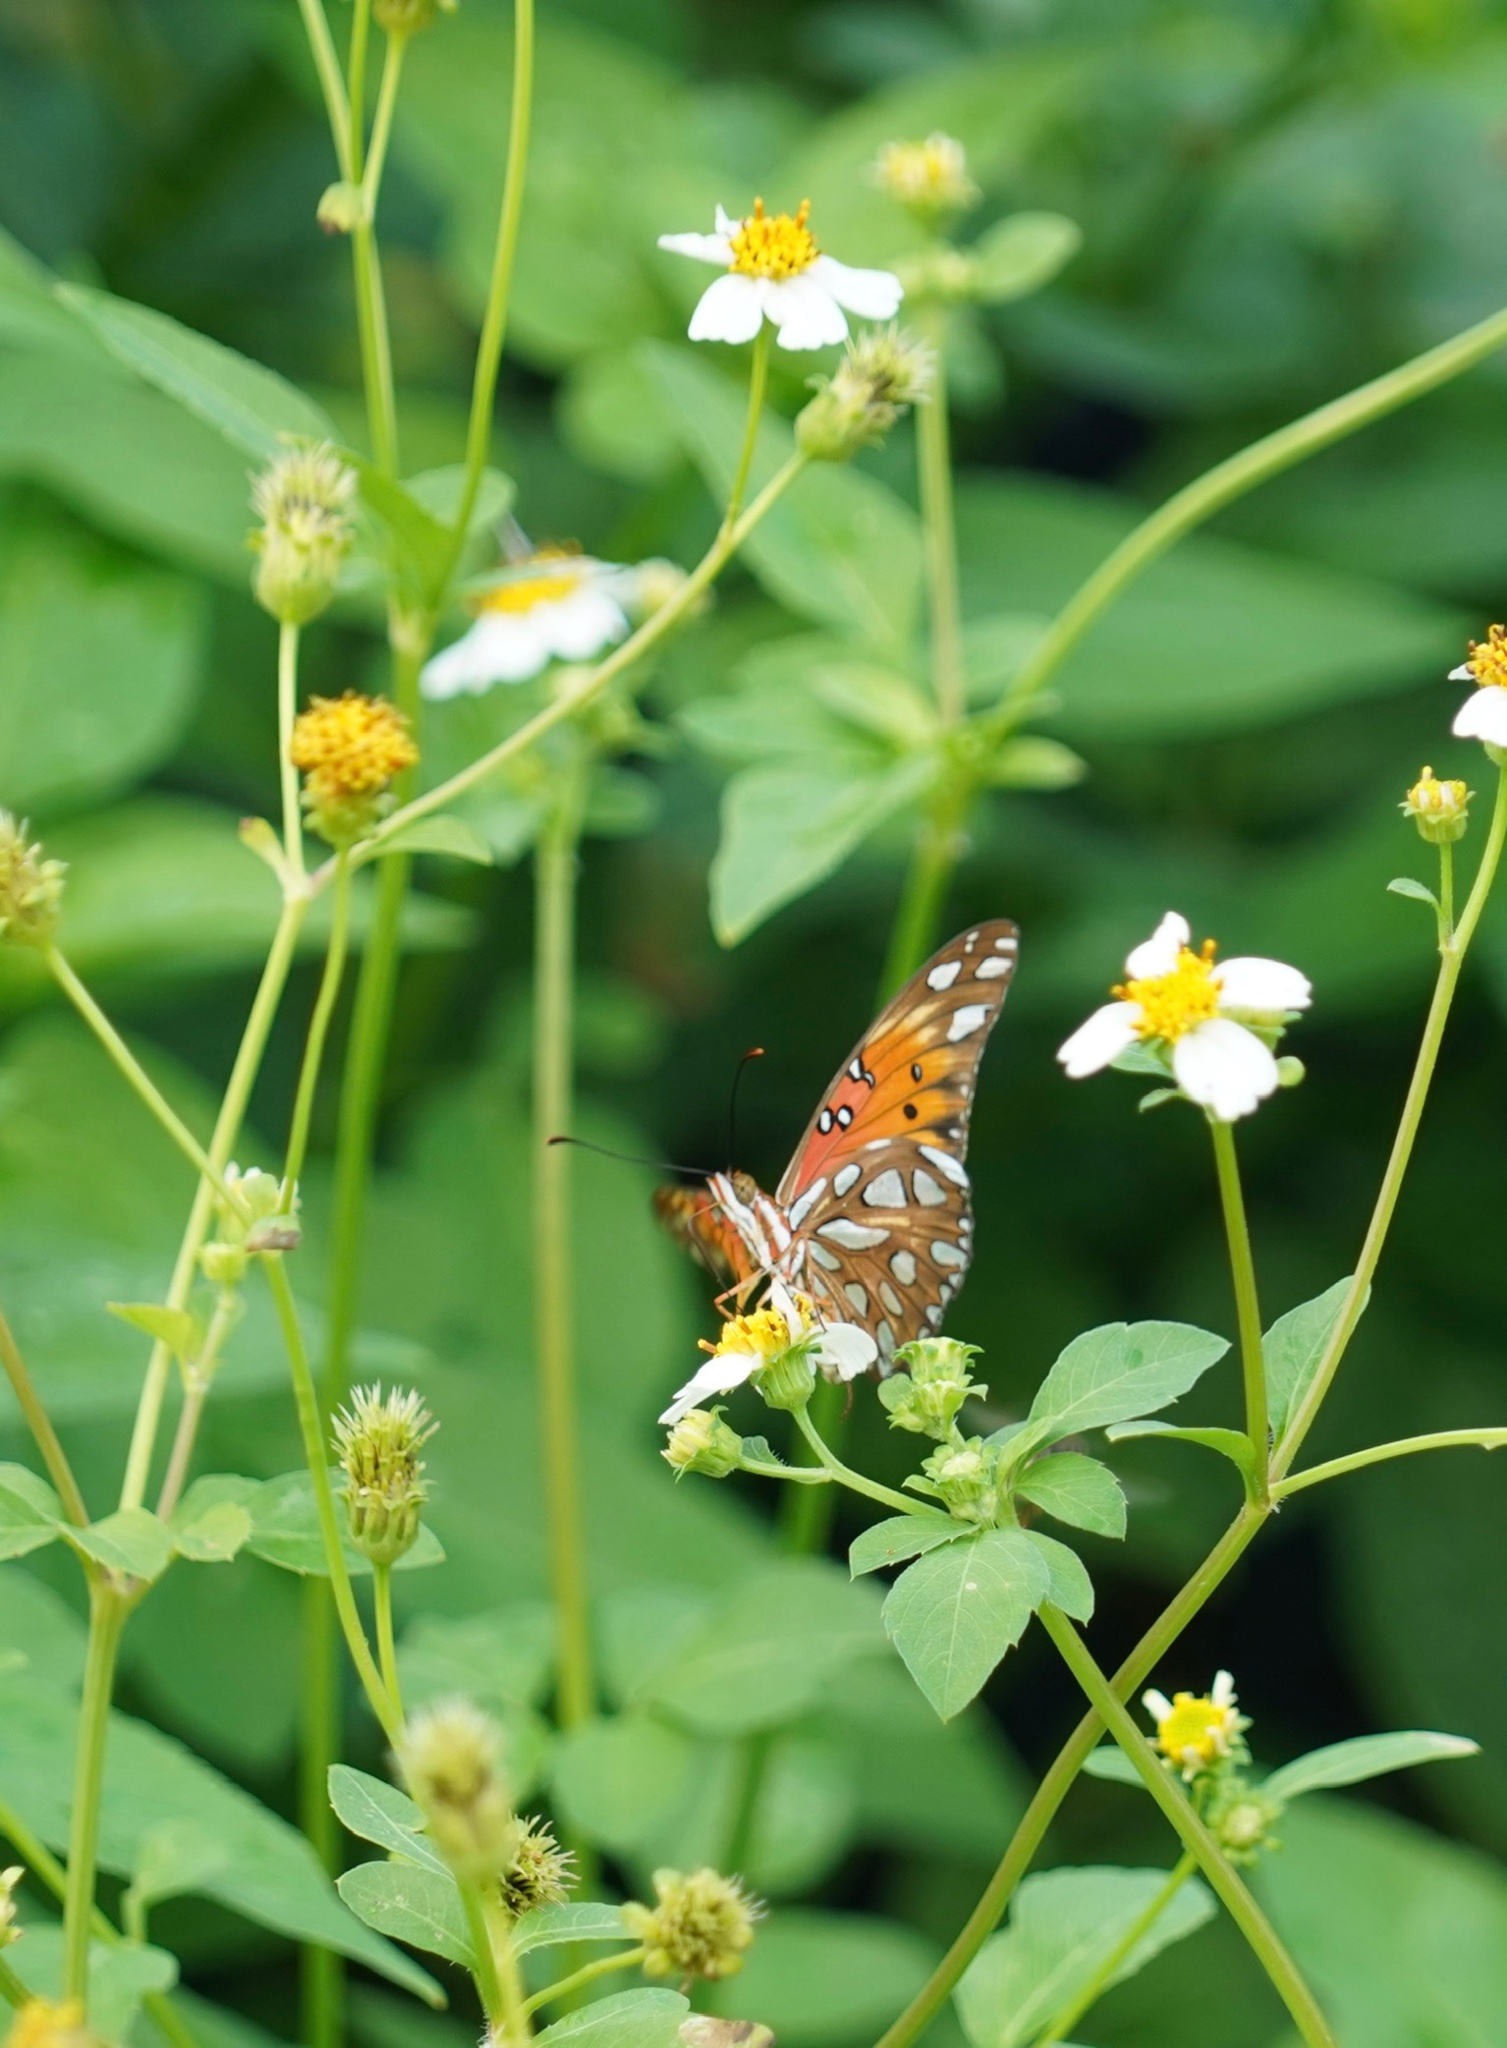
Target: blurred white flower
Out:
[750,1343]
[1194,1730]
[1201,1011]
[775,271]
[1483,716]
[553,607]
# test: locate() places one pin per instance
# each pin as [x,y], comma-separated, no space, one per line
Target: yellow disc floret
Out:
[1487,659]
[765,1334]
[351,746]
[41,2024]
[774,245]
[1197,1730]
[523,593]
[1171,1004]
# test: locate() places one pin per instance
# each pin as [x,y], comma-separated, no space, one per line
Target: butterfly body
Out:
[871,1218]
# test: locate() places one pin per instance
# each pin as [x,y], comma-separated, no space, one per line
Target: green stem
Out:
[1452,959]
[1231,479]
[1446,893]
[137,1079]
[196,1389]
[751,1779]
[1400,1447]
[287,712]
[758,380]
[331,84]
[311,1427]
[939,847]
[1195,1834]
[387,100]
[939,539]
[488,1982]
[319,1031]
[376,348]
[387,1651]
[39,1422]
[808,1512]
[495,318]
[555,868]
[516,2027]
[1068,2017]
[361,21]
[12,1989]
[587,1974]
[227,1128]
[107,1616]
[902,1503]
[1247,1306]
[321,1970]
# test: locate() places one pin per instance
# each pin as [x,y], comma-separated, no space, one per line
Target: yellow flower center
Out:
[776,245]
[1172,1004]
[765,1333]
[525,592]
[1197,1730]
[1487,660]
[1433,798]
[351,746]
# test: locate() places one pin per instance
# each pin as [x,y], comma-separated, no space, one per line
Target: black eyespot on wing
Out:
[911,1110]
[915,1072]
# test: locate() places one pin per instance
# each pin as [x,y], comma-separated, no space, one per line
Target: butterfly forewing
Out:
[877,1192]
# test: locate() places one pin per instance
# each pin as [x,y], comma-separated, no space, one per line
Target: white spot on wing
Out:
[857,1296]
[823,1257]
[856,1237]
[903,1266]
[934,1315]
[890,1298]
[1006,945]
[884,1337]
[801,1209]
[990,968]
[966,1021]
[947,1254]
[885,1191]
[944,974]
[929,1193]
[844,1178]
[953,1169]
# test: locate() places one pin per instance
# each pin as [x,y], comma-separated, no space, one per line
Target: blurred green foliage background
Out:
[1278,198]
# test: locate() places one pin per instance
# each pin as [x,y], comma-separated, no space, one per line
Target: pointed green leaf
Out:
[633,2019]
[380,1813]
[1365,1756]
[421,1907]
[903,1537]
[1076,1489]
[132,1540]
[1021,253]
[1404,885]
[212,1521]
[1071,1587]
[30,1512]
[1111,1763]
[174,1327]
[955,1612]
[552,1926]
[1230,1443]
[1293,1348]
[1123,1370]
[121,1975]
[445,835]
[176,1856]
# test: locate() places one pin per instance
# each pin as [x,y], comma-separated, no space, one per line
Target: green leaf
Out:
[1064,1928]
[1230,1443]
[954,1613]
[1364,1756]
[1032,761]
[174,1327]
[1071,1588]
[380,1813]
[411,1904]
[132,1540]
[786,828]
[618,1781]
[208,1527]
[250,405]
[420,543]
[632,2019]
[450,836]
[905,1536]
[1122,1370]
[1404,885]
[1111,1763]
[1293,1348]
[1021,253]
[285,1531]
[502,1658]
[438,492]
[121,1975]
[821,1977]
[176,1856]
[31,1514]
[1077,1490]
[556,1926]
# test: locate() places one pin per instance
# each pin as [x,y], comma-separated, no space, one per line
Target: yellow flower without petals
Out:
[1172,1004]
[351,746]
[929,177]
[1487,659]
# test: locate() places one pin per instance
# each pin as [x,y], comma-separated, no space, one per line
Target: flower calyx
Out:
[1440,809]
[702,1442]
[31,886]
[881,373]
[700,1926]
[449,1757]
[377,1440]
[303,500]
[926,1396]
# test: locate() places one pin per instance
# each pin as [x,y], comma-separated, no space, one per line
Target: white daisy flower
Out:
[775,271]
[1195,1730]
[750,1343]
[1201,1012]
[553,607]
[1483,716]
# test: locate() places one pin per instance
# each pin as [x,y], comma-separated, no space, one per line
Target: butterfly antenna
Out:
[755,1052]
[633,1158]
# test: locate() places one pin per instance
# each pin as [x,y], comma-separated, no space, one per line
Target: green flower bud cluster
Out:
[701,1925]
[703,1442]
[409,17]
[450,1760]
[31,887]
[882,373]
[540,1872]
[377,1440]
[925,1398]
[303,500]
[261,1224]
[963,1476]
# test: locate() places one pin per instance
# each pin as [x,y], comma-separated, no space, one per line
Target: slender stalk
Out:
[319,1031]
[1195,1833]
[331,83]
[495,317]
[136,1078]
[361,21]
[516,2027]
[321,1971]
[387,100]
[570,702]
[39,1422]
[287,711]
[310,1423]
[12,1989]
[1247,1306]
[1451,960]
[387,1651]
[197,1383]
[808,1512]
[227,1128]
[1069,2015]
[902,1503]
[107,1615]
[1401,1447]
[555,868]
[755,1762]
[376,348]
[1231,479]
[1446,893]
[488,1983]
[939,847]
[587,1974]
[758,380]
[939,538]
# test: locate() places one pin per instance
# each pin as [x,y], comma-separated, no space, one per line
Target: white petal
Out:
[1158,954]
[720,1374]
[1484,717]
[500,648]
[1157,1704]
[1463,674]
[582,623]
[1102,1039]
[806,315]
[729,310]
[727,227]
[705,248]
[1225,1067]
[871,294]
[1250,983]
[847,1349]
[785,1304]
[1223,1694]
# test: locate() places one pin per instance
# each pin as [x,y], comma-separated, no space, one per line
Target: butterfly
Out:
[871,1218]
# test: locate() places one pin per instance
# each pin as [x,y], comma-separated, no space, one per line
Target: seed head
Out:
[348,749]
[303,501]
[31,886]
[701,1926]
[408,17]
[929,179]
[449,1757]
[378,1440]
[541,1872]
[703,1442]
[1440,810]
[882,372]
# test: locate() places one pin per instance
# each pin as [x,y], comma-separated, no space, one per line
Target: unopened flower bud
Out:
[701,1925]
[9,1879]
[378,1441]
[541,1873]
[882,372]
[31,887]
[930,179]
[925,1397]
[963,1479]
[303,501]
[341,209]
[1244,1827]
[1440,810]
[1291,1072]
[703,1442]
[42,2024]
[449,1760]
[788,1380]
[223,1264]
[409,17]
[650,585]
[348,750]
